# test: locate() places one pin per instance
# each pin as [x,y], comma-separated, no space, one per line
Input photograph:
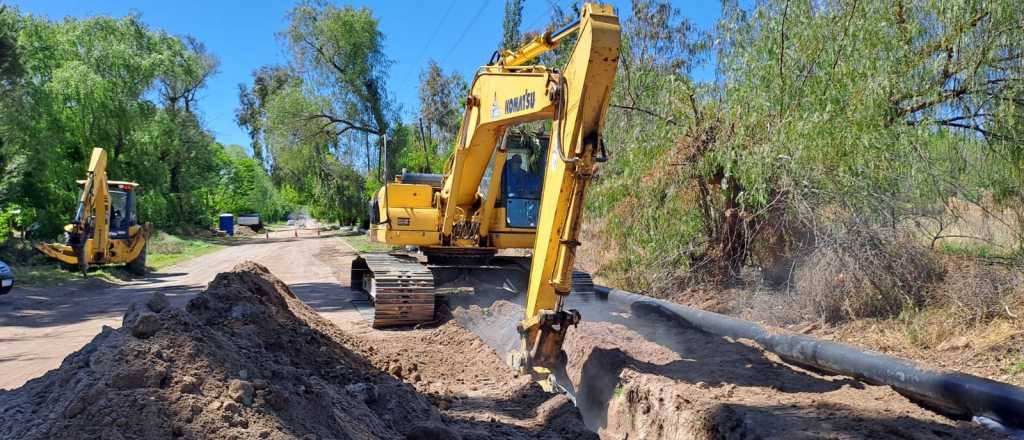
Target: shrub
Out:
[857,273]
[978,293]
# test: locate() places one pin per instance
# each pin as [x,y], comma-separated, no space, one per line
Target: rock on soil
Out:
[245,359]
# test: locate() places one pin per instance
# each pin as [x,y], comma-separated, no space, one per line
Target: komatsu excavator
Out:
[106,229]
[497,193]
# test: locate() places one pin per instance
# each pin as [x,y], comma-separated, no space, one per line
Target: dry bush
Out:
[856,273]
[978,293]
[784,234]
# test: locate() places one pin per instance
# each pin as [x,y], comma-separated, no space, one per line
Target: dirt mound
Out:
[248,231]
[245,359]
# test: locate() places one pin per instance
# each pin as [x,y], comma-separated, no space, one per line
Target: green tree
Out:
[11,88]
[252,111]
[186,73]
[87,83]
[510,25]
[244,186]
[441,99]
[341,50]
[328,115]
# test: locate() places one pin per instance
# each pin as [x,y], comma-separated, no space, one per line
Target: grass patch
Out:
[979,251]
[47,275]
[927,327]
[166,249]
[618,392]
[362,243]
[1016,369]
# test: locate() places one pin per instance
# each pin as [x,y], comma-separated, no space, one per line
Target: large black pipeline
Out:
[954,394]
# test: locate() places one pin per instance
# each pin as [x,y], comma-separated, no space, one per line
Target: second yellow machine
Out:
[499,193]
[106,228]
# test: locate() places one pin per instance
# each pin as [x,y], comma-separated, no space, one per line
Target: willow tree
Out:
[88,83]
[339,51]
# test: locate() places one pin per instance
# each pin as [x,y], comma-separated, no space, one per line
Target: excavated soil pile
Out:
[644,376]
[246,231]
[246,359]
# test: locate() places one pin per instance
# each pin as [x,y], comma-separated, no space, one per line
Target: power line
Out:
[546,13]
[483,5]
[412,67]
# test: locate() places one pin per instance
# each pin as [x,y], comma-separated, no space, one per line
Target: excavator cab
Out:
[122,209]
[522,180]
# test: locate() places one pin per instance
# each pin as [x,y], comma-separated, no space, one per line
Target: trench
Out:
[640,372]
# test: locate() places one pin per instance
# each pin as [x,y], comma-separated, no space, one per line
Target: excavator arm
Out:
[509,92]
[87,233]
[576,149]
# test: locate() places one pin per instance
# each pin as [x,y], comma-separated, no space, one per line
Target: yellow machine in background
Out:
[497,193]
[106,229]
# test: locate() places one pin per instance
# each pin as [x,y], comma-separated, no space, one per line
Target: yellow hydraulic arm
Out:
[88,236]
[575,151]
[94,205]
[509,92]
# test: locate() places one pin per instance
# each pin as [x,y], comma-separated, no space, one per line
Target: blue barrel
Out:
[227,223]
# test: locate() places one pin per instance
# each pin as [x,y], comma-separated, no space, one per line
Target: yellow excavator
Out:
[106,228]
[498,193]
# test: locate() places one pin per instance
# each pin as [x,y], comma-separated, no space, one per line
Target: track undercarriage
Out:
[405,289]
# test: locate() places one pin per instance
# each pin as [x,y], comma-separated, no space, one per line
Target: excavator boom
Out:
[581,95]
[476,207]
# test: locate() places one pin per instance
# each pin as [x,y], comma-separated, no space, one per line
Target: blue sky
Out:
[460,34]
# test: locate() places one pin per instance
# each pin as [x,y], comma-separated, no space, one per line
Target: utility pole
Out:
[384,157]
[366,143]
[426,151]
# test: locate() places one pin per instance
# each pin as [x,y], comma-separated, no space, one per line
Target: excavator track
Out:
[402,290]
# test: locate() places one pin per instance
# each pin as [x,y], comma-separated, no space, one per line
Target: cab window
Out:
[119,214]
[522,178]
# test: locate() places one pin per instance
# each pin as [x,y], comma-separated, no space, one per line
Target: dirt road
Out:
[41,326]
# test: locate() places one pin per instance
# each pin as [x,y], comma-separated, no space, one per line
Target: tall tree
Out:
[10,78]
[510,26]
[188,69]
[441,99]
[340,52]
[252,110]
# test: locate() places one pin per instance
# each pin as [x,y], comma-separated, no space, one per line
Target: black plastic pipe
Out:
[956,395]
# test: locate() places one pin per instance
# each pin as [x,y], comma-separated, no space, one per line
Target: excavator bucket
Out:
[61,252]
